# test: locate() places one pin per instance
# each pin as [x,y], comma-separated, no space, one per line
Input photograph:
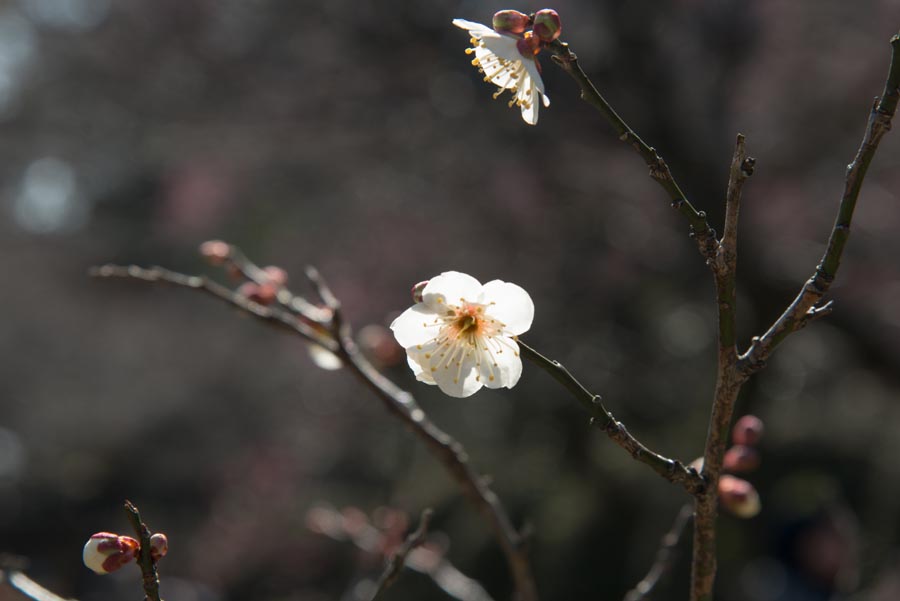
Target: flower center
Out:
[468,321]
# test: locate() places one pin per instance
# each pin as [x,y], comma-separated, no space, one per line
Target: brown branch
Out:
[150,576]
[797,313]
[399,403]
[398,559]
[665,555]
[704,235]
[671,469]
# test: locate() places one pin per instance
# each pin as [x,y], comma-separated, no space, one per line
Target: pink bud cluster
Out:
[106,552]
[737,495]
[264,292]
[544,24]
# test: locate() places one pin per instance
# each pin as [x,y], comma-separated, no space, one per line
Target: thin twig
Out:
[796,314]
[659,169]
[150,576]
[665,555]
[425,559]
[398,403]
[398,559]
[21,583]
[671,469]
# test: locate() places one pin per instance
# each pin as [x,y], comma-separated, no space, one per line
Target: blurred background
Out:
[354,135]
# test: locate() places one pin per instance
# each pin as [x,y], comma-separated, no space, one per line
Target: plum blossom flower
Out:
[508,62]
[461,336]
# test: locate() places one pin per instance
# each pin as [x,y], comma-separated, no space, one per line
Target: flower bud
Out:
[106,552]
[264,294]
[417,291]
[546,25]
[159,546]
[741,458]
[738,497]
[277,276]
[511,21]
[215,252]
[747,431]
[528,45]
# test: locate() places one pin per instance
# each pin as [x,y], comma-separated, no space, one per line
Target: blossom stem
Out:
[671,469]
[145,561]
[704,235]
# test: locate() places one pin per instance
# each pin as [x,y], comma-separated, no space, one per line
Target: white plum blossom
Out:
[461,336]
[508,62]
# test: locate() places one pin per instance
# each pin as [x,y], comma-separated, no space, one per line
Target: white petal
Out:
[324,358]
[502,362]
[508,304]
[546,100]
[448,288]
[532,68]
[476,29]
[415,326]
[422,374]
[504,46]
[458,377]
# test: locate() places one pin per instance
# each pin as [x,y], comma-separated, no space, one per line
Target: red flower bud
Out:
[264,294]
[277,276]
[747,431]
[738,497]
[511,21]
[547,26]
[741,458]
[529,45]
[159,546]
[106,552]
[417,291]
[215,252]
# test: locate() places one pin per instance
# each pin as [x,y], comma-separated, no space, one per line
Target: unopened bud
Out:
[547,26]
[264,294]
[159,546]
[106,552]
[417,291]
[277,276]
[741,458]
[528,45]
[215,251]
[748,430]
[511,21]
[738,497]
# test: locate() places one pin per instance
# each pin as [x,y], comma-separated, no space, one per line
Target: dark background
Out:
[355,136]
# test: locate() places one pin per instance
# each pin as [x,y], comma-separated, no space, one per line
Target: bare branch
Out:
[26,586]
[665,555]
[815,288]
[395,563]
[671,469]
[150,576]
[704,235]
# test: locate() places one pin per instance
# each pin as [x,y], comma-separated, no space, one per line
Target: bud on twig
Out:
[741,458]
[747,431]
[417,291]
[277,276]
[547,26]
[215,252]
[159,546]
[738,497]
[106,552]
[511,21]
